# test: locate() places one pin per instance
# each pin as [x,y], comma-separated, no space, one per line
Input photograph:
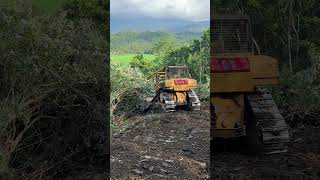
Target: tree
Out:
[196,56]
[96,10]
[283,29]
[142,64]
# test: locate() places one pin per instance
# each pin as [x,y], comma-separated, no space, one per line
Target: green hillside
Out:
[142,42]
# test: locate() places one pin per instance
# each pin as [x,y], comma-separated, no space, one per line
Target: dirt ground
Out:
[177,146]
[163,146]
[301,162]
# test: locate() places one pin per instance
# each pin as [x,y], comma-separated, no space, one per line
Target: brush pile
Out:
[52,97]
[56,131]
[129,88]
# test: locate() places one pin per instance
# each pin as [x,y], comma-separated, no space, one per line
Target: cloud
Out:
[194,10]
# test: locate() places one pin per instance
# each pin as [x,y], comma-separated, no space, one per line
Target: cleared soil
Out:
[177,146]
[163,146]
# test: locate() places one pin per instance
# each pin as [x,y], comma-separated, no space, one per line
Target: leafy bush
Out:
[52,96]
[97,10]
[144,65]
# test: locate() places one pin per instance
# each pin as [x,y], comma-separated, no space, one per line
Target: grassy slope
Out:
[126,58]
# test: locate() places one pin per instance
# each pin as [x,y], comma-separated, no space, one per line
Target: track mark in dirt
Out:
[164,145]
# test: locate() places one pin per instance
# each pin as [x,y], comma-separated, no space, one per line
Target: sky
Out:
[189,10]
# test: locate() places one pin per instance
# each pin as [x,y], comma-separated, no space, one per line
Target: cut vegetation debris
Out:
[52,97]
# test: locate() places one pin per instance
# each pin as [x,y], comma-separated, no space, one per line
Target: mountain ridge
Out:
[154,25]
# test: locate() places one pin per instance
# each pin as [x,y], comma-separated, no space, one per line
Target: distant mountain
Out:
[135,42]
[139,35]
[149,24]
[191,27]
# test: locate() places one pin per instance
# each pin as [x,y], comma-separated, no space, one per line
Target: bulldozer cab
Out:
[231,34]
[174,72]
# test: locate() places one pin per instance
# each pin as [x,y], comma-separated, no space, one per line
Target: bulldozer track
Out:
[271,124]
[168,104]
[194,100]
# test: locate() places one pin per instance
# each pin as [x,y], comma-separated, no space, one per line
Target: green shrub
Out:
[299,93]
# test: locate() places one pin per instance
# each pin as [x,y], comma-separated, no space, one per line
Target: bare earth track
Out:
[176,146]
[172,145]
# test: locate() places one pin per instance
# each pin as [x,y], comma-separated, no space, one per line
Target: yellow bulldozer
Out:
[174,88]
[241,103]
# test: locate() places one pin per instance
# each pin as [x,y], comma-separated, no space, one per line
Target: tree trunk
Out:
[290,18]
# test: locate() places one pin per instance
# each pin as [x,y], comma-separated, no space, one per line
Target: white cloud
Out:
[195,10]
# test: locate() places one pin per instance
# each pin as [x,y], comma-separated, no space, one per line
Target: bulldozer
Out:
[241,103]
[174,88]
